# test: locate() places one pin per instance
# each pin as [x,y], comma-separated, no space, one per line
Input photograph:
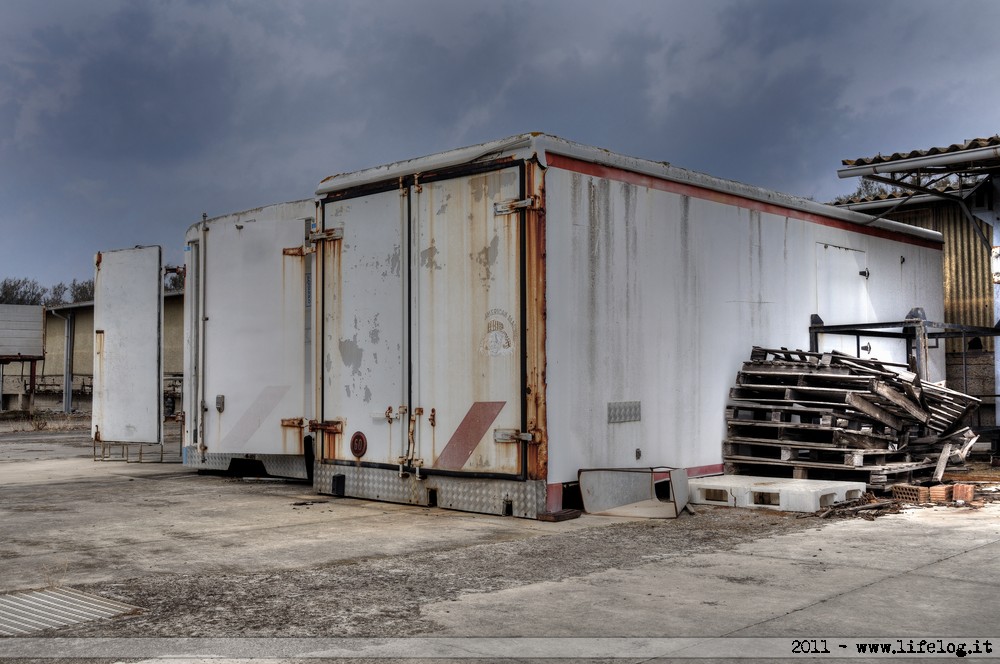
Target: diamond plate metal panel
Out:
[484,496]
[279,465]
[284,465]
[193,459]
[624,411]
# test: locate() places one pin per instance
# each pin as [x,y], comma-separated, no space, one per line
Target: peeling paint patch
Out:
[351,354]
[444,205]
[486,258]
[393,259]
[480,189]
[428,257]
[375,334]
[368,395]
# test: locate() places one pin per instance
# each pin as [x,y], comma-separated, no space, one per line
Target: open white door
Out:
[128,325]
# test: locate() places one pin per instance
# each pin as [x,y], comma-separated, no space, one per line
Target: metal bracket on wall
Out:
[512,436]
[508,207]
[328,234]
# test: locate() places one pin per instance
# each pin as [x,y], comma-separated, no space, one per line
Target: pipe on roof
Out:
[905,165]
[878,204]
[536,145]
[411,166]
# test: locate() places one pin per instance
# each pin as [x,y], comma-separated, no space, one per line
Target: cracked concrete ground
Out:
[215,557]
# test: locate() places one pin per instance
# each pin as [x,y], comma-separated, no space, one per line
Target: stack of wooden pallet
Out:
[835,416]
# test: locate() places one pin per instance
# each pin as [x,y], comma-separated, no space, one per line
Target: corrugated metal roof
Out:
[949,190]
[973,144]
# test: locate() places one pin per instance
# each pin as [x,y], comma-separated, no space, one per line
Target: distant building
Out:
[79,317]
[953,190]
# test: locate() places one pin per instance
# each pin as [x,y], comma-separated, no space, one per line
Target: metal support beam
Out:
[958,200]
[992,216]
[921,351]
[31,387]
[68,363]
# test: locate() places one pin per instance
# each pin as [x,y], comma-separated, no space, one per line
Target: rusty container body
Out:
[247,338]
[495,319]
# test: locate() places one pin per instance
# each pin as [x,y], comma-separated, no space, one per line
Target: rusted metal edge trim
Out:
[696,191]
[400,182]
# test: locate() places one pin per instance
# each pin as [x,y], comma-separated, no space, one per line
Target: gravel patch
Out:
[383,596]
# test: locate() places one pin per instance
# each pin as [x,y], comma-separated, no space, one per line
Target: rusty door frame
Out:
[533,458]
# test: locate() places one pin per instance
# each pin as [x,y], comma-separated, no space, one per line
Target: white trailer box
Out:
[495,319]
[247,319]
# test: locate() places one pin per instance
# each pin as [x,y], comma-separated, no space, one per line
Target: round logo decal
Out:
[499,338]
[359,444]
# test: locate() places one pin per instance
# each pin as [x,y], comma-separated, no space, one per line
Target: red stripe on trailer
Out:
[463,442]
[553,497]
[701,471]
[695,191]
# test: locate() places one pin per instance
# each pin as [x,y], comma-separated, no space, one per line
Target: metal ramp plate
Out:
[633,492]
[26,612]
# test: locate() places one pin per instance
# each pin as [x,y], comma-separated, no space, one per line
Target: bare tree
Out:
[81,291]
[21,291]
[174,282]
[29,291]
[57,295]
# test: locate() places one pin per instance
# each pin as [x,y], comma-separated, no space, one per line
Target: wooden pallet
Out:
[821,434]
[806,413]
[807,454]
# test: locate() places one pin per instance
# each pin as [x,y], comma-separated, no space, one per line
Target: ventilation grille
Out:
[26,612]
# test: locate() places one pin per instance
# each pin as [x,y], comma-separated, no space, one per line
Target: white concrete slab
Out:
[778,493]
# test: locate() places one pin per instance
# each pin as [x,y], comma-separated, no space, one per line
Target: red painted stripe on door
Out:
[463,442]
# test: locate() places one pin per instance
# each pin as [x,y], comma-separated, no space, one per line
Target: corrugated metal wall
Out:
[968,283]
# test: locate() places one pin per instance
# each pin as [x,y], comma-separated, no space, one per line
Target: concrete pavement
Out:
[210,556]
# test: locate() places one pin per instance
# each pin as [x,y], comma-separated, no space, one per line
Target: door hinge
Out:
[329,426]
[328,234]
[512,436]
[507,207]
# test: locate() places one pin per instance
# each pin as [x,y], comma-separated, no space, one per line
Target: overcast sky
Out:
[121,122]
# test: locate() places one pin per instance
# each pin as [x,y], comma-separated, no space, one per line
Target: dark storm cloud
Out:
[766,26]
[140,97]
[121,122]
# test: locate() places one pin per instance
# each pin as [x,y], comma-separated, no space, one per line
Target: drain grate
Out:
[26,612]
